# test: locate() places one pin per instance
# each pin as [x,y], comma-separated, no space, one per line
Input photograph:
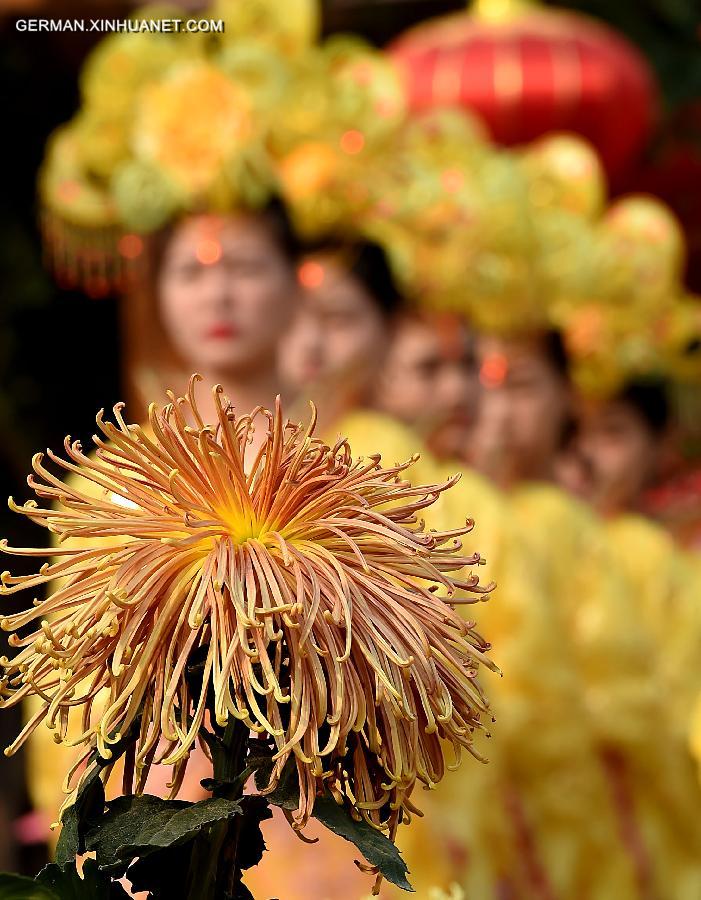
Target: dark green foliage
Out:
[63,883]
[162,873]
[137,826]
[87,809]
[375,847]
[17,887]
[68,885]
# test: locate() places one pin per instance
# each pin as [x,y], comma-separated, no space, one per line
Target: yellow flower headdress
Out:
[489,233]
[345,115]
[524,240]
[635,318]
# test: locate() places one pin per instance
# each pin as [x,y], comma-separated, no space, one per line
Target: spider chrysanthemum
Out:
[302,580]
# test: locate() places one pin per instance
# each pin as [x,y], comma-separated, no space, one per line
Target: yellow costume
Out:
[601,596]
[668,598]
[538,820]
[694,729]
[667,591]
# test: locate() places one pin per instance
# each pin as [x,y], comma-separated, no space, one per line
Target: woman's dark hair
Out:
[273,215]
[556,354]
[368,263]
[276,217]
[554,349]
[649,398]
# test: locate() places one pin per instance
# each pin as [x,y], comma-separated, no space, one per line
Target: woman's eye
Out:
[245,269]
[429,369]
[615,432]
[188,272]
[522,383]
[341,320]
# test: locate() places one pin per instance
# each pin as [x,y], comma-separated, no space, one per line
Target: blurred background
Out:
[45,353]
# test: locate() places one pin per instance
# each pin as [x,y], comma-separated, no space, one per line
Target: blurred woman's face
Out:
[430,382]
[339,335]
[621,453]
[226,293]
[524,408]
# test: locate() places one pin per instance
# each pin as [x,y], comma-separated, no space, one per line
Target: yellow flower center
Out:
[241,525]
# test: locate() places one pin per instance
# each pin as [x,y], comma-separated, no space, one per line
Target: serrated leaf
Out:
[67,884]
[136,826]
[69,838]
[17,887]
[89,804]
[377,849]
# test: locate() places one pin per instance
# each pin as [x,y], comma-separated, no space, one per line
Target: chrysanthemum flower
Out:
[301,579]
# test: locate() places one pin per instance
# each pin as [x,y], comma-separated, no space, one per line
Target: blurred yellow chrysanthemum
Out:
[190,123]
[302,581]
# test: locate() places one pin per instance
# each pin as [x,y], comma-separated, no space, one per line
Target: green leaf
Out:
[162,873]
[286,794]
[90,800]
[251,844]
[136,826]
[230,788]
[67,884]
[17,887]
[69,838]
[377,849]
[88,806]
[260,761]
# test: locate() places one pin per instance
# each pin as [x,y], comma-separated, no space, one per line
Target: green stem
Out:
[214,874]
[228,759]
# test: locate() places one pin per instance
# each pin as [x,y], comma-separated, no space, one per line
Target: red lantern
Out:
[528,71]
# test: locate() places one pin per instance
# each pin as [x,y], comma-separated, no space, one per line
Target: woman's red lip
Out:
[222,331]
